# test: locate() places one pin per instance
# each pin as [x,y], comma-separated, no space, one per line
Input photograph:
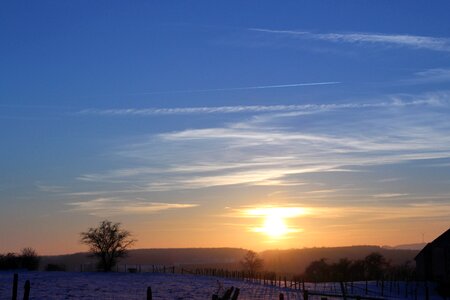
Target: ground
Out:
[77,285]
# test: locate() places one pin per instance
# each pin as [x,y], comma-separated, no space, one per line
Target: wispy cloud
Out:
[291,211]
[50,188]
[198,110]
[431,76]
[402,40]
[259,109]
[114,206]
[391,179]
[343,138]
[390,195]
[371,214]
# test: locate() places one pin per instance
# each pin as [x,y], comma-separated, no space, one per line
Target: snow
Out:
[77,285]
[72,285]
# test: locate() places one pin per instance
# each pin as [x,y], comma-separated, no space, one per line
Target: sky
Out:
[256,124]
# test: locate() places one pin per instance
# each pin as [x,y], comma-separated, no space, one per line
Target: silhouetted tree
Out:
[252,263]
[318,270]
[108,242]
[342,269]
[357,269]
[29,259]
[404,271]
[375,265]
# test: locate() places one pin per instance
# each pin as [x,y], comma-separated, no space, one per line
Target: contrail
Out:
[277,86]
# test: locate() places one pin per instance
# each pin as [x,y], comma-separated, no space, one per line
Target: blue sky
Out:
[178,118]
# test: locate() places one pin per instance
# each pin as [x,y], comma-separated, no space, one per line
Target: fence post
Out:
[344,293]
[305,295]
[281,297]
[26,292]
[15,282]
[149,293]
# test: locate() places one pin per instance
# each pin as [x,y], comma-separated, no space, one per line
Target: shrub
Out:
[9,261]
[29,259]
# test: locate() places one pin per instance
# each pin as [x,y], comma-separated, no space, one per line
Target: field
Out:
[71,285]
[76,285]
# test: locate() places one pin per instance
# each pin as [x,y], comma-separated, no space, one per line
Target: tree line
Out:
[26,259]
[373,267]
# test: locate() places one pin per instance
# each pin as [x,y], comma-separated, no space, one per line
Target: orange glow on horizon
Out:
[275,220]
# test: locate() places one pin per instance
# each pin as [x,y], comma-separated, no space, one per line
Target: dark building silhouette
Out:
[433,262]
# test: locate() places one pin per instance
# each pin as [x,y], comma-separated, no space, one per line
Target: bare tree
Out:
[252,263]
[29,259]
[108,242]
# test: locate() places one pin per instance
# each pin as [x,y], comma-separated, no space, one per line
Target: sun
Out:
[274,226]
[273,220]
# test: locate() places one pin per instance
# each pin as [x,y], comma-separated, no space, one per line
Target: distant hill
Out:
[169,257]
[295,261]
[418,246]
[292,261]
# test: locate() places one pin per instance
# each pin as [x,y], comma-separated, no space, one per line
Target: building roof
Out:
[442,239]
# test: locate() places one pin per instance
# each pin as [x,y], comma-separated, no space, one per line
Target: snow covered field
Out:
[71,285]
[68,285]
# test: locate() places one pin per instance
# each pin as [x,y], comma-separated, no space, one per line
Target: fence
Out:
[363,290]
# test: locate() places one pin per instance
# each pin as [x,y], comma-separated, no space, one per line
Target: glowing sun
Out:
[274,220]
[274,226]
